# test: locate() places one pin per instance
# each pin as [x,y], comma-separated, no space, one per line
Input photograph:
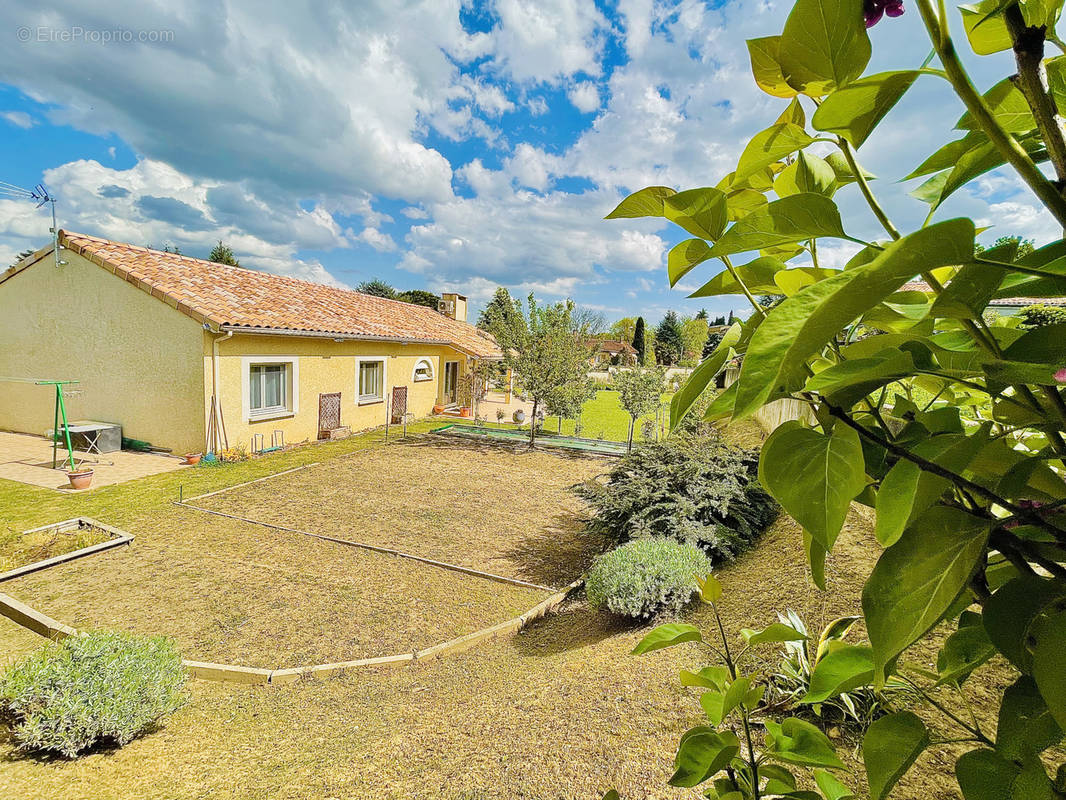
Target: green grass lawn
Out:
[603,417]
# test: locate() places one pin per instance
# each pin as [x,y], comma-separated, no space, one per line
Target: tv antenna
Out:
[39,195]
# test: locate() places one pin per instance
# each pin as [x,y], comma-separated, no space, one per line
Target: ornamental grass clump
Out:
[645,578]
[102,688]
[693,489]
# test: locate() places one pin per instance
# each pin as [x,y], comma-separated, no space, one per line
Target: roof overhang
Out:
[355,337]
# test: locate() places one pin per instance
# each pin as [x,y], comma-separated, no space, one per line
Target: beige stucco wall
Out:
[137,359]
[322,366]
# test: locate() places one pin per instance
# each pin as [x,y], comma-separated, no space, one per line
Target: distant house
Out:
[172,347]
[612,352]
[1006,306]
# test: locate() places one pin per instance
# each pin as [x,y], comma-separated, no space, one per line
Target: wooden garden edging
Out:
[43,625]
[373,548]
[120,537]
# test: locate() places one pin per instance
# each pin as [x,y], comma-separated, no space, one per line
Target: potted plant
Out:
[464,411]
[438,409]
[80,477]
[192,458]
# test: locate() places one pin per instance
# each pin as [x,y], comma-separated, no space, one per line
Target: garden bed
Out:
[463,503]
[48,545]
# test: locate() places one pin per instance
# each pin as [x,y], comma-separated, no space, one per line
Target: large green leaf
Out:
[667,636]
[1044,345]
[702,752]
[1008,106]
[824,45]
[685,256]
[770,145]
[802,324]
[813,476]
[986,775]
[969,292]
[841,670]
[891,745]
[985,27]
[777,632]
[795,741]
[785,221]
[918,578]
[963,652]
[766,66]
[1048,645]
[645,203]
[853,111]
[701,212]
[697,382]
[1026,727]
[849,381]
[948,155]
[757,275]
[808,173]
[908,490]
[843,169]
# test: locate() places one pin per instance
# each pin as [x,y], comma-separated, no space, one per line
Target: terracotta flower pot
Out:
[438,409]
[80,479]
[464,412]
[192,458]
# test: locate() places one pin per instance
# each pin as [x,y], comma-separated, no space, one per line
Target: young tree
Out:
[420,297]
[639,392]
[693,337]
[638,339]
[567,401]
[543,351]
[669,342]
[377,288]
[223,254]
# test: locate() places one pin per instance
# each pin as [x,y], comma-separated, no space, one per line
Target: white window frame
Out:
[428,363]
[368,400]
[292,395]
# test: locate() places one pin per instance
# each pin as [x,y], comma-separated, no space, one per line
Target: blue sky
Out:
[441,145]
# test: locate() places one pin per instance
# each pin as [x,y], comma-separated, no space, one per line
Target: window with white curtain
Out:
[268,388]
[371,380]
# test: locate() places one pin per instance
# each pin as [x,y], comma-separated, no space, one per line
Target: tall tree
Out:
[1025,246]
[547,357]
[669,342]
[223,254]
[702,315]
[588,322]
[502,309]
[420,297]
[623,329]
[639,392]
[377,288]
[638,340]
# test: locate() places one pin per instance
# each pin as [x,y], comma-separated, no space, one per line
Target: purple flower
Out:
[873,10]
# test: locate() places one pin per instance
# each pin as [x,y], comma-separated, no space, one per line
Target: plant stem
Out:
[731,665]
[935,704]
[743,287]
[864,187]
[1033,82]
[1013,152]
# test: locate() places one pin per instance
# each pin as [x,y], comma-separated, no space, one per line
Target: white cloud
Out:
[20,119]
[381,242]
[537,106]
[585,96]
[548,40]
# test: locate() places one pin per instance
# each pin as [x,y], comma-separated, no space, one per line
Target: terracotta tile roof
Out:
[614,346]
[1020,302]
[247,298]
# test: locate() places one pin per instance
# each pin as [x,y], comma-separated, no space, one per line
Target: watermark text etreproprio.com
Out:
[76,33]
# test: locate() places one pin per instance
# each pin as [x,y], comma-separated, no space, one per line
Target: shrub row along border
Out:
[43,625]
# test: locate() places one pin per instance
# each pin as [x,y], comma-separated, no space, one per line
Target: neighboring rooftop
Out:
[234,297]
[613,346]
[1003,302]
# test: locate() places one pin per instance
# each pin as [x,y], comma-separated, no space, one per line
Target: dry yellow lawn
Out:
[559,712]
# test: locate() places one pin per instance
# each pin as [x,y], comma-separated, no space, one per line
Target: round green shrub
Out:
[646,577]
[101,688]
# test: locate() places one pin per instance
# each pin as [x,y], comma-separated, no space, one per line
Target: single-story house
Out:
[174,348]
[1006,306]
[611,351]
